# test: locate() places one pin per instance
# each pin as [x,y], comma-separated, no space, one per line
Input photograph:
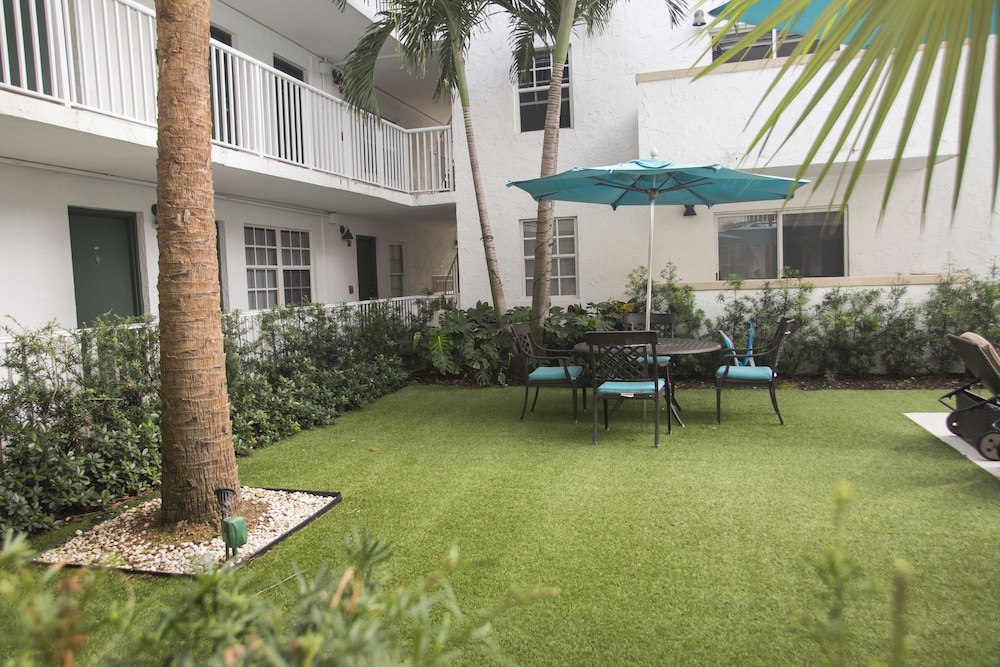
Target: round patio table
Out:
[669,347]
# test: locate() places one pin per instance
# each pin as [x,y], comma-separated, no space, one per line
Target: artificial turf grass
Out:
[697,553]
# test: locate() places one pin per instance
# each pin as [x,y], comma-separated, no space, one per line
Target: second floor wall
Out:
[720,109]
[98,56]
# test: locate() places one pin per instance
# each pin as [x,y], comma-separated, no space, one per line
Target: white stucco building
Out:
[294,171]
[632,90]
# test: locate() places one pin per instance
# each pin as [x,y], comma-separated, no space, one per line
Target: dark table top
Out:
[672,346]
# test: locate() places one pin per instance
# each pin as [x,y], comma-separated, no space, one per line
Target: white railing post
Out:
[57,26]
[257,101]
[36,53]
[4,53]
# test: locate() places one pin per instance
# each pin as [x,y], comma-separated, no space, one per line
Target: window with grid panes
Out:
[277,278]
[563,255]
[395,270]
[296,266]
[533,93]
[262,267]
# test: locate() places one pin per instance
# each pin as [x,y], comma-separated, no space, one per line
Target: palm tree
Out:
[197,447]
[552,22]
[875,47]
[425,28]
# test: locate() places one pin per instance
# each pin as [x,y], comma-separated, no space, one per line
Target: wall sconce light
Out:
[346,235]
[689,210]
[699,18]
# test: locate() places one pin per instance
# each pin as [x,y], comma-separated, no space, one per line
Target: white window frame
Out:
[565,259]
[276,261]
[396,265]
[535,82]
[766,47]
[776,218]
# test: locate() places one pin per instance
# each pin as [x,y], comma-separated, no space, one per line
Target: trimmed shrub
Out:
[79,414]
[960,303]
[80,420]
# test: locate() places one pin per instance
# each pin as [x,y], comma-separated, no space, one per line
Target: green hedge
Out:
[79,412]
[848,332]
[855,332]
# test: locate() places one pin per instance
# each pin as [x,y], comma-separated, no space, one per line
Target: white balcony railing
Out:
[100,55]
[376,5]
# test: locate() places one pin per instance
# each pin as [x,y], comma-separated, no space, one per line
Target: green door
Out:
[105,270]
[367,269]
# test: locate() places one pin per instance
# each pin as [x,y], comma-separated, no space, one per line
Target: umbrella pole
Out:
[649,276]
[649,261]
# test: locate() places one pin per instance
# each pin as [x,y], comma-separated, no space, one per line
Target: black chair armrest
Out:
[553,352]
[532,361]
[739,354]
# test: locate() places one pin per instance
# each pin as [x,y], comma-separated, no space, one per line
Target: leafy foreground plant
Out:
[350,619]
[844,580]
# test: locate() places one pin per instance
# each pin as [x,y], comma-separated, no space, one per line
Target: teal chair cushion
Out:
[659,361]
[745,373]
[554,373]
[639,388]
[747,361]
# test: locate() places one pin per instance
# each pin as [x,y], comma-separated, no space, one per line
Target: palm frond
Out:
[421,30]
[359,68]
[878,57]
[537,22]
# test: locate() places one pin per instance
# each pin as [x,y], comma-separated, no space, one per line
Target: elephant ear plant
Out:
[467,344]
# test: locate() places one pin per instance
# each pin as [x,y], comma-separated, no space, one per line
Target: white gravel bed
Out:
[121,541]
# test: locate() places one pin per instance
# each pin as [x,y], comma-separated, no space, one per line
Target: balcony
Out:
[99,56]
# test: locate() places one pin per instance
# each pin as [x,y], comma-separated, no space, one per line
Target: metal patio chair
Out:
[544,367]
[663,325]
[620,372]
[736,371]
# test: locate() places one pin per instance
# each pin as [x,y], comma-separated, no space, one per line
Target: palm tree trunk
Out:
[197,449]
[541,287]
[489,248]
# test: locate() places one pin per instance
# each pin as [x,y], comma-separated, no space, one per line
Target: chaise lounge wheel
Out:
[989,445]
[953,424]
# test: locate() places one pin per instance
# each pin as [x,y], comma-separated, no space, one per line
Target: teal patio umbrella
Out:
[651,182]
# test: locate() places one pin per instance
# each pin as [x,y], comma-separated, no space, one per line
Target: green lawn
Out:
[697,553]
